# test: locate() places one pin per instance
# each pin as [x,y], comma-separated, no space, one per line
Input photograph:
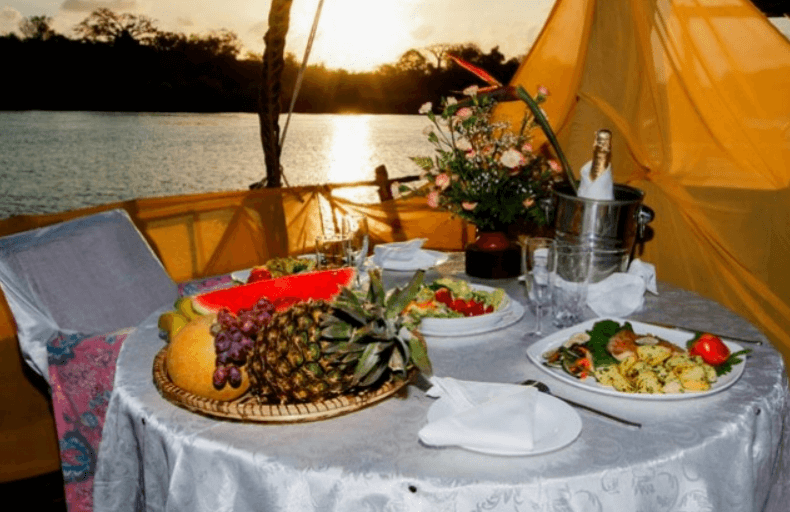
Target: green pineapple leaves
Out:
[399,299]
[419,352]
[371,333]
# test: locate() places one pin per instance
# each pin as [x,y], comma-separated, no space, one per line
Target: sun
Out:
[356,35]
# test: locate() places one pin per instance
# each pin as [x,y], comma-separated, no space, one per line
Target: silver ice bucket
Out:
[609,228]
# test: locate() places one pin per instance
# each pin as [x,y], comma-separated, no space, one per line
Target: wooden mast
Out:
[270,88]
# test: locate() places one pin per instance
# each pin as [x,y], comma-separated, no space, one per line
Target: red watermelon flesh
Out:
[321,284]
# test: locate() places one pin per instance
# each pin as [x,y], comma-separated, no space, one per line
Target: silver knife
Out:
[689,329]
[543,388]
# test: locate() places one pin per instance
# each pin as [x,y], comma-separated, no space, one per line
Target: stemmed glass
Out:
[537,259]
[355,232]
[537,254]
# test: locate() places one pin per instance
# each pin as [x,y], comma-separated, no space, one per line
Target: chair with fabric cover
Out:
[90,275]
[79,279]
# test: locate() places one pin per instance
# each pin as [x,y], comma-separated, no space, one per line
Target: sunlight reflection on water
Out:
[57,161]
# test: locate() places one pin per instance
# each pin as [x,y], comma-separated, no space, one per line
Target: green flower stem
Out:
[544,125]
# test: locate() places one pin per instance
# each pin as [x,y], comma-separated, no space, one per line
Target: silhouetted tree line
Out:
[122,62]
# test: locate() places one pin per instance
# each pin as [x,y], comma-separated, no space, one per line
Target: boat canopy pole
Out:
[270,88]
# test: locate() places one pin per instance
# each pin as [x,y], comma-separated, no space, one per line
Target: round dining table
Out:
[726,451]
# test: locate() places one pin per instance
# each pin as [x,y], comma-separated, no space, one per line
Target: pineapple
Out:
[317,350]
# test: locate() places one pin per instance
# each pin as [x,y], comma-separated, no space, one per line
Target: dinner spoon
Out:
[543,388]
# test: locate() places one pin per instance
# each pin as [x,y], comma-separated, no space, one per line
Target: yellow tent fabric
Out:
[697,95]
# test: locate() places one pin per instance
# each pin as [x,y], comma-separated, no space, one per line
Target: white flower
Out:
[426,107]
[512,158]
[471,90]
[463,144]
[451,101]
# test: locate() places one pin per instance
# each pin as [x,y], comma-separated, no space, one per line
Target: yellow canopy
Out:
[697,96]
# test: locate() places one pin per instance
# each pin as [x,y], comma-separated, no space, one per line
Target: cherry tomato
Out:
[444,296]
[259,274]
[476,308]
[459,305]
[710,348]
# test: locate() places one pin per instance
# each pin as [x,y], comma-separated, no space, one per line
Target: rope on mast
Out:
[300,75]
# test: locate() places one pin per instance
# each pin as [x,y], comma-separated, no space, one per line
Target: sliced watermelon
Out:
[321,284]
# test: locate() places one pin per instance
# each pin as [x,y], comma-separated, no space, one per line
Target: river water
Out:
[58,161]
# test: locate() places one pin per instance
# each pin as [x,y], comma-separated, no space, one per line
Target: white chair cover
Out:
[90,275]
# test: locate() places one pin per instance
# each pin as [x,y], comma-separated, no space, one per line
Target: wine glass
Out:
[355,232]
[537,260]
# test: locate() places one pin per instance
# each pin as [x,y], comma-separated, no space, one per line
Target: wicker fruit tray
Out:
[248,409]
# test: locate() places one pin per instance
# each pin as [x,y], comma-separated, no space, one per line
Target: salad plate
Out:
[509,313]
[557,425]
[536,352]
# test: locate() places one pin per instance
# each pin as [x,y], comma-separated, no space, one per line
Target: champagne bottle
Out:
[602,153]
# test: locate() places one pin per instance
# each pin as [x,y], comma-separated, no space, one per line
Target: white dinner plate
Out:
[408,266]
[508,314]
[557,425]
[536,350]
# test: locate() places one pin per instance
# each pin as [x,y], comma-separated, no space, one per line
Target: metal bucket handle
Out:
[644,216]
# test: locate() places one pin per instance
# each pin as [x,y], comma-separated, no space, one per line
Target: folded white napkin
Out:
[481,416]
[602,188]
[407,255]
[623,293]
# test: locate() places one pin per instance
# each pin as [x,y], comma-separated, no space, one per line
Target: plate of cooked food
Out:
[454,307]
[638,360]
[276,267]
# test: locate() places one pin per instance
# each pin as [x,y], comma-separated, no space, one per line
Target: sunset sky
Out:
[357,35]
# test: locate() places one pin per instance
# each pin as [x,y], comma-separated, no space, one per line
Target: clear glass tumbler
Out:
[570,278]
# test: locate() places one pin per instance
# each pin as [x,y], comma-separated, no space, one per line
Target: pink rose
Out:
[442,180]
[468,205]
[528,202]
[542,90]
[464,113]
[555,167]
[526,148]
[433,199]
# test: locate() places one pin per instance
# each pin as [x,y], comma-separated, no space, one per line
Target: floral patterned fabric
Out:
[81,374]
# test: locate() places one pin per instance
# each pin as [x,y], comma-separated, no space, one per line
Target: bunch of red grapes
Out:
[234,339]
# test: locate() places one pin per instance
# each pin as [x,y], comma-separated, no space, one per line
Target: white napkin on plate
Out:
[407,255]
[602,188]
[482,416]
[623,293]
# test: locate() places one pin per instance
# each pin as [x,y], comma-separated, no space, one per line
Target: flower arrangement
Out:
[483,172]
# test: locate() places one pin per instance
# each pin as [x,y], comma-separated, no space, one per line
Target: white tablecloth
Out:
[725,452]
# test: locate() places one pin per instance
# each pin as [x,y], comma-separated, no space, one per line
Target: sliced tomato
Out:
[710,348]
